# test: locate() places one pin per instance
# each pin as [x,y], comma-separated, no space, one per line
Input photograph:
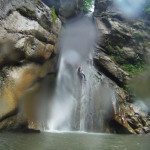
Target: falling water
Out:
[64,99]
[82,95]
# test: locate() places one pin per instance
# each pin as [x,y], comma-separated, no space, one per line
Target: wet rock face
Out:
[129,118]
[102,5]
[106,65]
[121,50]
[66,8]
[28,40]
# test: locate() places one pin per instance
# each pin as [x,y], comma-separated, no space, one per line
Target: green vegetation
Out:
[138,36]
[87,4]
[110,49]
[53,15]
[132,66]
[147,8]
[116,53]
[133,69]
[119,59]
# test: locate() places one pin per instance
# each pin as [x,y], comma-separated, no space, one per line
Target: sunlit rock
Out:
[27,55]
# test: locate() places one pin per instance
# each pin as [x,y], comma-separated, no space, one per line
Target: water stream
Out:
[82,95]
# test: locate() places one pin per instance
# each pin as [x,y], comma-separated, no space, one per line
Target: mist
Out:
[130,8]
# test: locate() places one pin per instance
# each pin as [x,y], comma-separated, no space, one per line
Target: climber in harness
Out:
[81,74]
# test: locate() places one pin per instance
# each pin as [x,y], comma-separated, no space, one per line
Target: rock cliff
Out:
[122,53]
[28,45]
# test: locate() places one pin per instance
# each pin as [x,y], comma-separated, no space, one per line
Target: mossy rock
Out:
[53,15]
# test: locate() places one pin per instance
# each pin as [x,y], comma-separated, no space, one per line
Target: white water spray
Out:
[81,97]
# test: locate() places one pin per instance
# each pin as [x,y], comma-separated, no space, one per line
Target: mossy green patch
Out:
[110,49]
[133,69]
[147,8]
[87,4]
[116,53]
[138,36]
[119,59]
[53,15]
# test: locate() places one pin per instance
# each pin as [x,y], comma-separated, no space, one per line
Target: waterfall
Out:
[82,96]
[64,98]
[82,99]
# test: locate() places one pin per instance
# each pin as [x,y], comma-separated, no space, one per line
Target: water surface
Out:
[73,141]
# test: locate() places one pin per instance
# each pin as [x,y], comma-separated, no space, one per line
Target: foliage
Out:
[119,59]
[147,8]
[87,4]
[116,53]
[138,36]
[133,69]
[53,15]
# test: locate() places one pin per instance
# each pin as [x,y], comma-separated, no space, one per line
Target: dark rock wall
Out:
[121,53]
